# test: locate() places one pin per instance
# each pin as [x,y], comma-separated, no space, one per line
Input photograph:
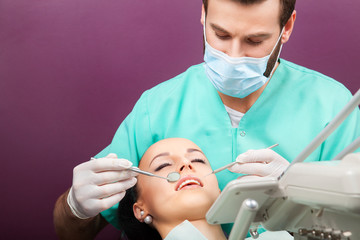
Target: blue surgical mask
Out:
[236,76]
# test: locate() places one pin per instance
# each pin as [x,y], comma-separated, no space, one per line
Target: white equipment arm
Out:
[319,200]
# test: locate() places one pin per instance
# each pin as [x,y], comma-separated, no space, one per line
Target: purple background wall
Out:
[71,70]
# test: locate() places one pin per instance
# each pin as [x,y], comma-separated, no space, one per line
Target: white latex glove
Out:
[99,184]
[263,163]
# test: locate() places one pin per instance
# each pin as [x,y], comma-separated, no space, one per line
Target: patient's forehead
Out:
[175,146]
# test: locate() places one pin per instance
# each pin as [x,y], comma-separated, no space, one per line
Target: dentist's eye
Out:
[162,166]
[198,160]
[222,36]
[254,42]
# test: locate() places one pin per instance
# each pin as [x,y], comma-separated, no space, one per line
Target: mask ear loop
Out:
[279,38]
[204,29]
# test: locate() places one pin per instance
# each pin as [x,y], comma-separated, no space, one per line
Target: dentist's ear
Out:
[288,28]
[202,20]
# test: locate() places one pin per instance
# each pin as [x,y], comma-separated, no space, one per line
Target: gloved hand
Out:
[263,163]
[99,184]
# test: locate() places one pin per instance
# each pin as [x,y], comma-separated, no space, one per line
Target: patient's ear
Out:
[137,209]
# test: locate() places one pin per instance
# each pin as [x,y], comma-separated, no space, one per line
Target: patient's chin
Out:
[193,205]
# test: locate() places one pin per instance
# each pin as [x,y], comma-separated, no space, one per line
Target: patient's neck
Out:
[211,232]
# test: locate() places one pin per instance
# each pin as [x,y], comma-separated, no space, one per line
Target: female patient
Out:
[158,209]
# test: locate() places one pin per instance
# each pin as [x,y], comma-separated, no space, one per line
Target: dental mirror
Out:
[173,177]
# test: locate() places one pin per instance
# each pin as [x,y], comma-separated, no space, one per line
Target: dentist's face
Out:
[190,197]
[243,30]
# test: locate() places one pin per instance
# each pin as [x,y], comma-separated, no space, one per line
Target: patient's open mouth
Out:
[188,182]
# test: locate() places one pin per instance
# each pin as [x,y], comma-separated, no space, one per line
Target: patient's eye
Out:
[198,160]
[162,166]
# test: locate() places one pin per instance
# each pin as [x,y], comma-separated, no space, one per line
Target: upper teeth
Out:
[187,182]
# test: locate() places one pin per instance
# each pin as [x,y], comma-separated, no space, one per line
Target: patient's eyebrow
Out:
[189,150]
[159,155]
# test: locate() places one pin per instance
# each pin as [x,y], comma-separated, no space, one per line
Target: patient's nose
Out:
[186,164]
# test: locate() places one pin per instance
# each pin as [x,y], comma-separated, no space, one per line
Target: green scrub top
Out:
[295,106]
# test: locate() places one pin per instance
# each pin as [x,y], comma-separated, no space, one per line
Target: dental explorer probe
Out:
[233,163]
[171,177]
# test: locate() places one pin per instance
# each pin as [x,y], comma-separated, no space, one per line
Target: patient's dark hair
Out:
[131,227]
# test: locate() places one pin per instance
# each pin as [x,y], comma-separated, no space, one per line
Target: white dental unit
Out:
[314,200]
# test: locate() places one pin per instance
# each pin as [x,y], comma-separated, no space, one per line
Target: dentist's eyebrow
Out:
[260,35]
[264,35]
[159,155]
[218,28]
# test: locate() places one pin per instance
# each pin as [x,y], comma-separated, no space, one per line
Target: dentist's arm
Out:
[97,185]
[261,163]
[68,226]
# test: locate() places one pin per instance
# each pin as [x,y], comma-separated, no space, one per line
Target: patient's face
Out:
[191,196]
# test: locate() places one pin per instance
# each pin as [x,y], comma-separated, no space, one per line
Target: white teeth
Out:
[187,182]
